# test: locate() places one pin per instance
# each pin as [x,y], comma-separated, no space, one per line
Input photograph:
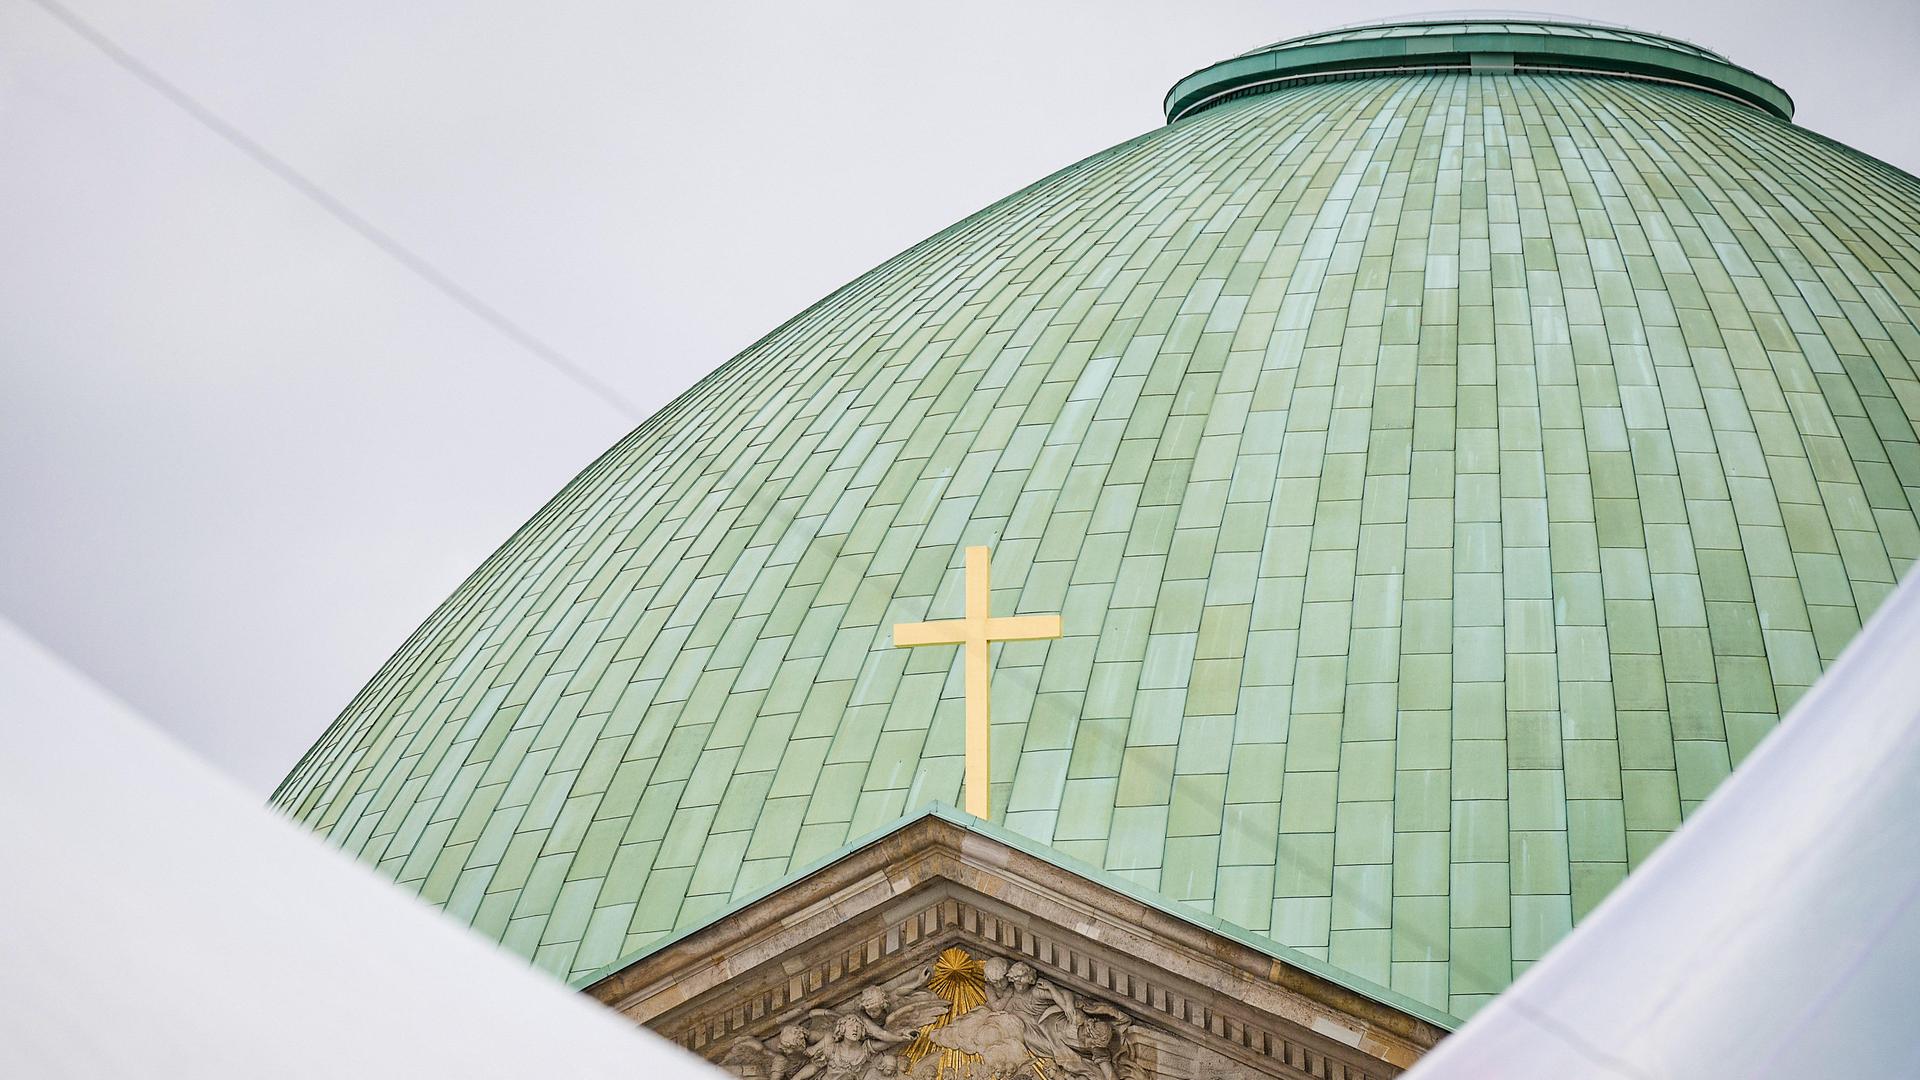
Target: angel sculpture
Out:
[752,1059]
[885,1022]
[841,1054]
[853,1042]
[1082,1040]
[1102,1038]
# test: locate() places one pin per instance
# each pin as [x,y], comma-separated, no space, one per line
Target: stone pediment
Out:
[944,948]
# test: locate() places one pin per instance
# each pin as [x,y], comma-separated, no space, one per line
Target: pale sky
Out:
[245,452]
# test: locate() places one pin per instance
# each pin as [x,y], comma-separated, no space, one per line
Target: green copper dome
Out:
[1445,477]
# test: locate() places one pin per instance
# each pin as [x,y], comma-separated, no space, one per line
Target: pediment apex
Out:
[882,910]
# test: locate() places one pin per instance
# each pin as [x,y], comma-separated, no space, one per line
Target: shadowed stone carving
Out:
[854,1043]
[938,952]
[958,1017]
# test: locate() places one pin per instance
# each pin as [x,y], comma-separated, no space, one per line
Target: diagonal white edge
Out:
[1775,934]
[156,921]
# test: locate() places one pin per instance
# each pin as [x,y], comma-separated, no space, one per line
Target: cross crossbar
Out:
[974,633]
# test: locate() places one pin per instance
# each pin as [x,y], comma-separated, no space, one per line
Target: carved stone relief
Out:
[940,953]
[961,1017]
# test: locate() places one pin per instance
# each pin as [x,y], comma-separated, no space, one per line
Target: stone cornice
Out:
[875,911]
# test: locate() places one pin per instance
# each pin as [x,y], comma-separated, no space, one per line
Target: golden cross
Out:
[975,632]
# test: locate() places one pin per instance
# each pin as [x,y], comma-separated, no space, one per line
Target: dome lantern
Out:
[1478,47]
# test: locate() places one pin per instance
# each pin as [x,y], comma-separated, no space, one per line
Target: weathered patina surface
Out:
[1444,478]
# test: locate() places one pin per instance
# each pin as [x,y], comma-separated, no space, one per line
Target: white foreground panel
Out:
[156,921]
[1776,934]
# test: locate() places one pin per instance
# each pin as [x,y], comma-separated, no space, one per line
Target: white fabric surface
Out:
[1776,934]
[157,922]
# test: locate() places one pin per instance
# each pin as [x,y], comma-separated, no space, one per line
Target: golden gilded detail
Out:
[960,981]
[975,633]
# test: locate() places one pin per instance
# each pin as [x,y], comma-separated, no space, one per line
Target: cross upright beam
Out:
[974,632]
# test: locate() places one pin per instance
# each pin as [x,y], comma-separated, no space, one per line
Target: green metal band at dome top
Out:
[1474,46]
[1445,476]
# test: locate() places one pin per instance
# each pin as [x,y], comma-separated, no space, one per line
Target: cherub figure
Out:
[1028,990]
[999,990]
[841,1054]
[1082,1039]
[885,1025]
[872,1016]
[753,1059]
[1101,1037]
